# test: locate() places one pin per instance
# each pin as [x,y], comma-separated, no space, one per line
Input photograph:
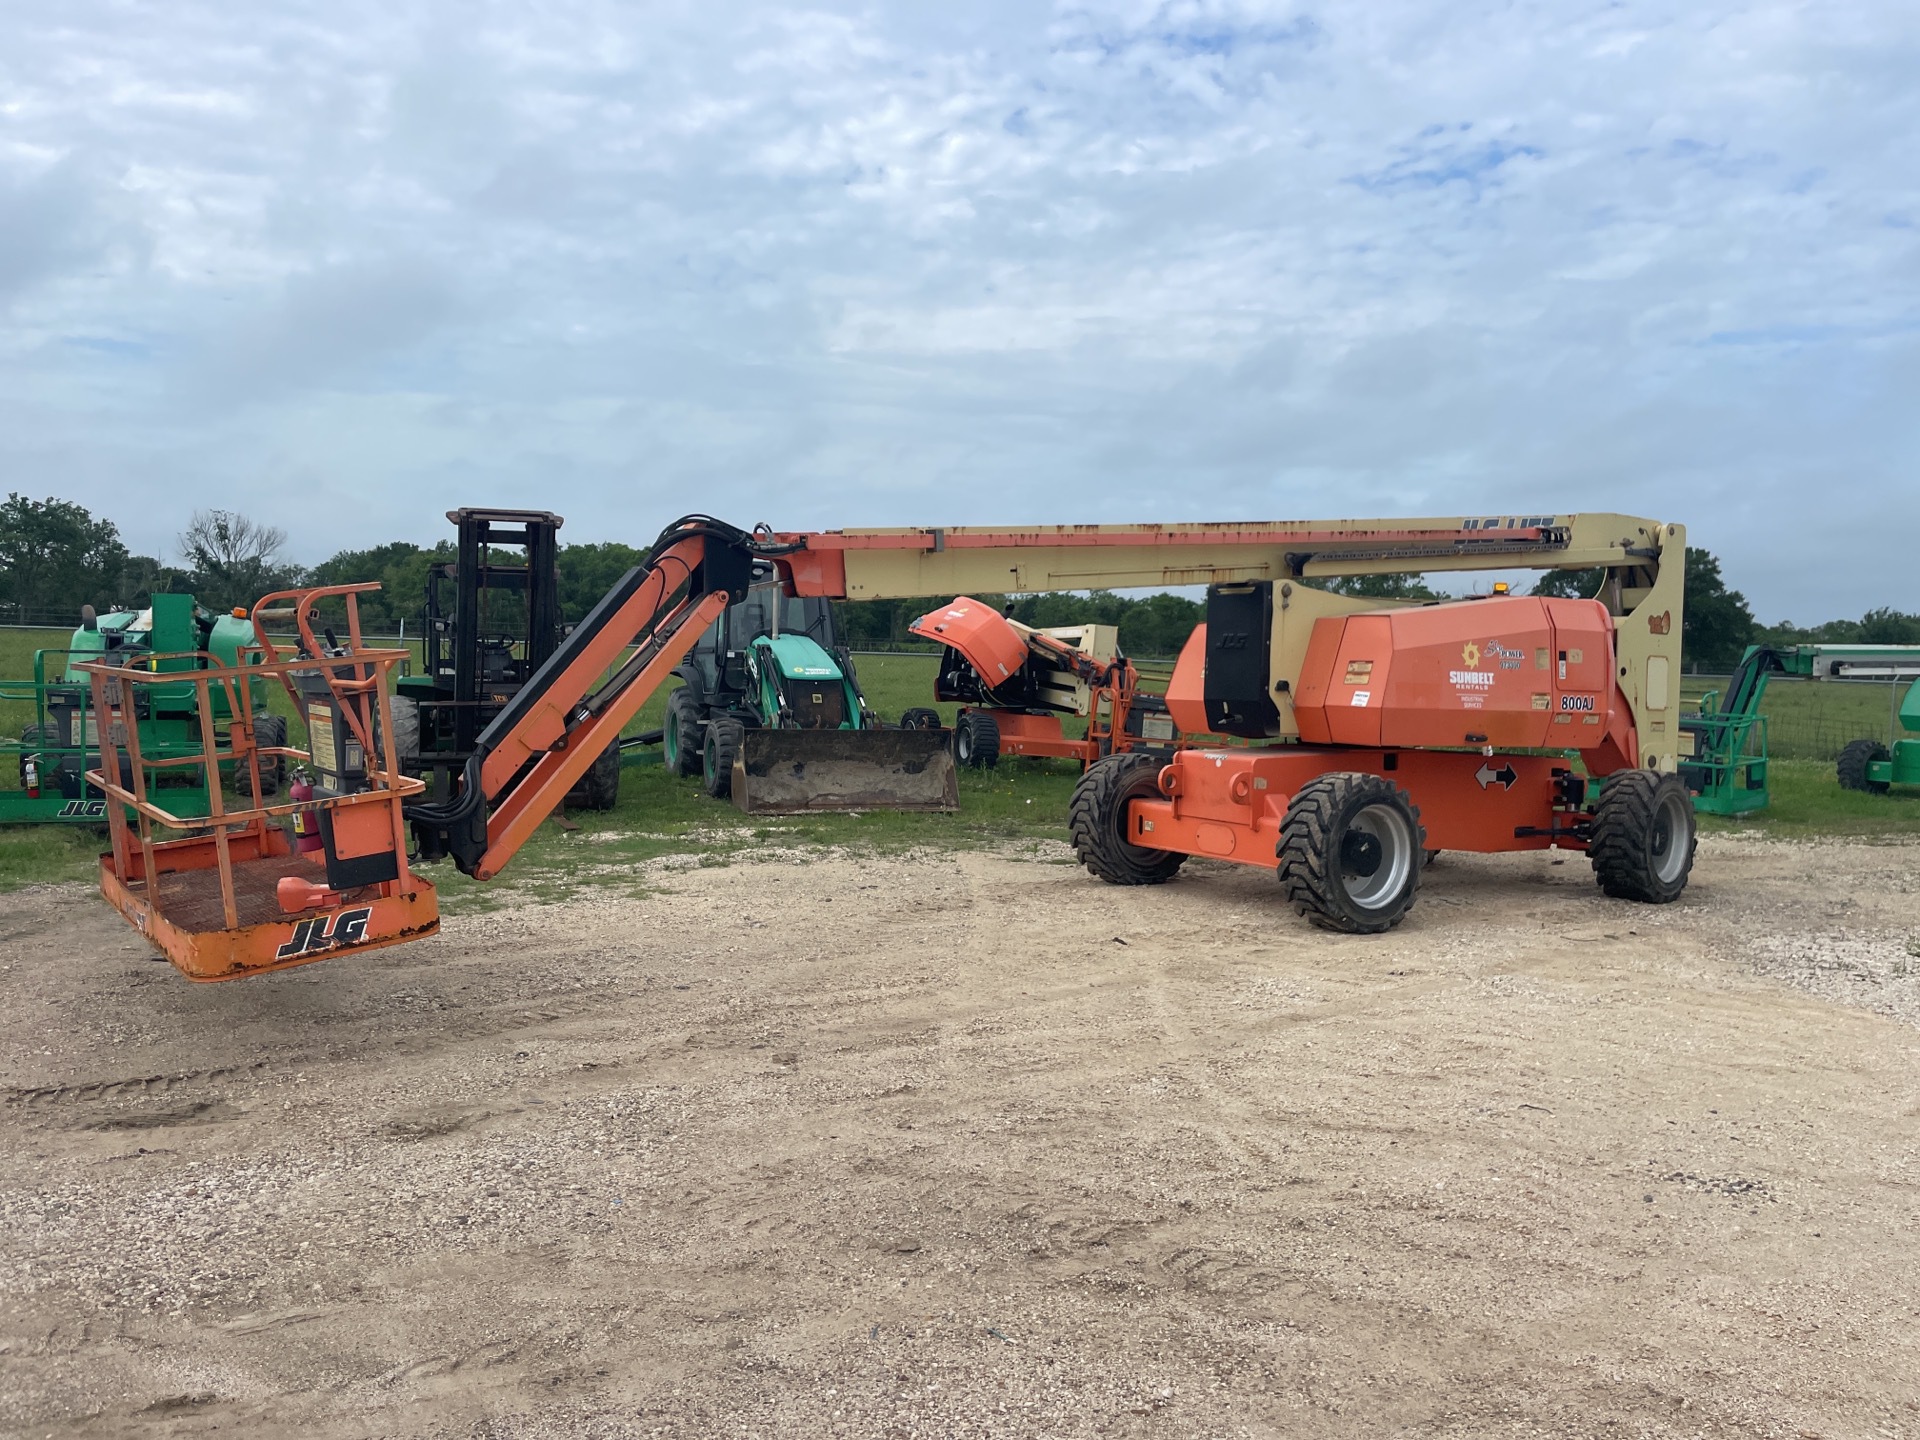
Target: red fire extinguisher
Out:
[31,775]
[306,823]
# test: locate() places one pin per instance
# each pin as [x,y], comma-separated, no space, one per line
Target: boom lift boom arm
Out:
[575,705]
[1644,563]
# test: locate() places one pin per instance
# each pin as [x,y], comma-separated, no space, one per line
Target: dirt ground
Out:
[955,1145]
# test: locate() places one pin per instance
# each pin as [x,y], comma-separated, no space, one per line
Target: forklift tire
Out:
[1097,821]
[976,741]
[1853,764]
[1351,851]
[1644,837]
[406,730]
[680,740]
[600,786]
[920,718]
[717,756]
[270,731]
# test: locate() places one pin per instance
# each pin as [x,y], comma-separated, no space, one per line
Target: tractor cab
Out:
[721,669]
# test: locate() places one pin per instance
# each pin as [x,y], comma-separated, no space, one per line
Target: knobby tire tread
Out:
[1622,848]
[1097,813]
[1309,849]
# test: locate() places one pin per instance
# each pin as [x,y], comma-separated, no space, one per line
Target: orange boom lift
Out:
[1362,733]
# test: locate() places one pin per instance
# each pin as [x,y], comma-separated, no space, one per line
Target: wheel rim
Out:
[1672,829]
[675,757]
[1376,856]
[963,743]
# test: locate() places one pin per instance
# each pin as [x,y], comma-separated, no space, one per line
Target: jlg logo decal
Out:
[83,810]
[349,927]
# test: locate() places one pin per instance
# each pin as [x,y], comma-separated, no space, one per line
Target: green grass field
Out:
[1023,800]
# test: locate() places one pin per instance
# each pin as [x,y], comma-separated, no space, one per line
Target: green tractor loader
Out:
[770,714]
[62,742]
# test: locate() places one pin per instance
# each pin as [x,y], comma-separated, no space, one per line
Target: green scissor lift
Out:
[1728,769]
[62,742]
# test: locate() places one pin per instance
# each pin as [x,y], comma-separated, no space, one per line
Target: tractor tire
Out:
[976,741]
[1351,851]
[1644,837]
[680,739]
[717,756]
[270,732]
[920,718]
[1097,822]
[600,786]
[31,740]
[1854,760]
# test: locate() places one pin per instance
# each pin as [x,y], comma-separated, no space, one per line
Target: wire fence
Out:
[1816,719]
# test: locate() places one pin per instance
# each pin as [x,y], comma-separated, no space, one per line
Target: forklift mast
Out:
[481,661]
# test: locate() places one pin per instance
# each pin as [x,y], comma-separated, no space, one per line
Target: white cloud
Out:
[353,264]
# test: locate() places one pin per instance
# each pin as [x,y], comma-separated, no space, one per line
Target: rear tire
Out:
[976,741]
[920,718]
[1852,769]
[1351,851]
[1097,822]
[600,786]
[1644,837]
[680,738]
[717,757]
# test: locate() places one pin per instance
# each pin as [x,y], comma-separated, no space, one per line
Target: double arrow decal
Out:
[1503,777]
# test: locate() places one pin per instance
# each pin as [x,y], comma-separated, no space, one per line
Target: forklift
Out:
[492,619]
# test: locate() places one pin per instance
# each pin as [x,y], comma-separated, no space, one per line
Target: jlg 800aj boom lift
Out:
[1379,731]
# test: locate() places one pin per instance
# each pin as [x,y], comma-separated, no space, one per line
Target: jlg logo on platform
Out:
[349,927]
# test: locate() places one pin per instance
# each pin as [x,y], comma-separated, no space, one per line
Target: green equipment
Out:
[1871,766]
[62,742]
[1728,768]
[770,714]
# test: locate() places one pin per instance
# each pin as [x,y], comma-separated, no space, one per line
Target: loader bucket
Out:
[784,772]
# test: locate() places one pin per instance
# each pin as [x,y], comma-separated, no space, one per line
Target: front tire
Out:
[722,746]
[920,717]
[1097,822]
[976,741]
[1644,837]
[680,740]
[1854,760]
[1351,851]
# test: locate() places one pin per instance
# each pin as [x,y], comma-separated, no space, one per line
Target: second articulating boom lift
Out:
[1388,730]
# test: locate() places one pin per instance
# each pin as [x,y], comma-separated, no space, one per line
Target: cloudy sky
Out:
[345,265]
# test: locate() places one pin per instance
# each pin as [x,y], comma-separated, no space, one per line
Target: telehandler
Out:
[1367,732]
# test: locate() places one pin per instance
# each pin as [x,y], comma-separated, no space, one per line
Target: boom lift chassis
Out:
[1389,730]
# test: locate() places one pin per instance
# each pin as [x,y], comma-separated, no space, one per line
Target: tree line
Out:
[55,556]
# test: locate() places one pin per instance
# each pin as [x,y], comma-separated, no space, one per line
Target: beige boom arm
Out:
[1644,561]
